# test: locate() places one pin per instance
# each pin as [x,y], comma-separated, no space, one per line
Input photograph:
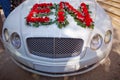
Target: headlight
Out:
[6,34]
[96,42]
[108,37]
[15,40]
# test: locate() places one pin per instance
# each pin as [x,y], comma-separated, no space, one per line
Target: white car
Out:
[58,37]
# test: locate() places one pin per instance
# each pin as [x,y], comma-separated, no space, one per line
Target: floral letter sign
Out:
[39,15]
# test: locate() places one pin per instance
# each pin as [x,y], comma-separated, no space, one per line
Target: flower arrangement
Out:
[61,16]
[39,15]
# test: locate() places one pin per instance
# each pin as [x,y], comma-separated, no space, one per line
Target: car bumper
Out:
[54,68]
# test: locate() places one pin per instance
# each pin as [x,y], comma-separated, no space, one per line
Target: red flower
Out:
[61,19]
[35,6]
[83,5]
[79,17]
[31,19]
[45,10]
[61,16]
[43,5]
[66,3]
[84,9]
[61,13]
[28,18]
[61,6]
[70,8]
[34,11]
[46,19]
[50,4]
[88,21]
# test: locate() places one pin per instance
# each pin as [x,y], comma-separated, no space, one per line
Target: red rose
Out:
[28,18]
[43,5]
[85,11]
[47,10]
[70,8]
[46,19]
[61,13]
[83,5]
[50,4]
[30,14]
[35,7]
[75,11]
[88,21]
[33,19]
[34,11]
[79,17]
[66,3]
[39,19]
[61,16]
[61,19]
[61,6]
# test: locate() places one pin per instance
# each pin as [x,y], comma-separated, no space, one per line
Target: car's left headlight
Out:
[15,40]
[96,42]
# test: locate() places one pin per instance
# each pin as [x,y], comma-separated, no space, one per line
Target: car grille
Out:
[55,47]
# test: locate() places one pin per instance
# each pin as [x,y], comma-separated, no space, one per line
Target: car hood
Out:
[70,31]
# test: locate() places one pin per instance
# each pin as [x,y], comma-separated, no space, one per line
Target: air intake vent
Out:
[55,47]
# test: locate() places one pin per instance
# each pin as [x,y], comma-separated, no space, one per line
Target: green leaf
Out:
[27,23]
[39,15]
[66,22]
[90,11]
[87,6]
[36,24]
[92,26]
[60,25]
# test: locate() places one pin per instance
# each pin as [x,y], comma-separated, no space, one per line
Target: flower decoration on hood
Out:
[39,15]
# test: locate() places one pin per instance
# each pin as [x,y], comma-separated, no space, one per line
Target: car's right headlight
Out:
[15,40]
[96,42]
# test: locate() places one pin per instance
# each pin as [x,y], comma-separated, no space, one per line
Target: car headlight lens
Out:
[15,40]
[108,37]
[96,42]
[6,34]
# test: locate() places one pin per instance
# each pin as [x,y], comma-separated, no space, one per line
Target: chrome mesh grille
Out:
[55,47]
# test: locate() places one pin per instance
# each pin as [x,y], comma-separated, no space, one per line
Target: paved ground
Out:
[109,70]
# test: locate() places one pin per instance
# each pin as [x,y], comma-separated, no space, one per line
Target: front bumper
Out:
[56,68]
